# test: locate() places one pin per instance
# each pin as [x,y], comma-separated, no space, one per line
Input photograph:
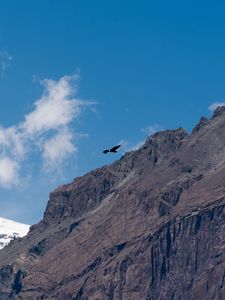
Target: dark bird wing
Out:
[113,149]
[105,151]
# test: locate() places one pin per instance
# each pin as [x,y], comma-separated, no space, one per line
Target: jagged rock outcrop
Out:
[202,122]
[149,226]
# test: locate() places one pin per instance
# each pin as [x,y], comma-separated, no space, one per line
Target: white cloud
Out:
[127,146]
[8,172]
[56,149]
[136,146]
[55,108]
[5,61]
[149,130]
[47,129]
[124,144]
[11,142]
[214,105]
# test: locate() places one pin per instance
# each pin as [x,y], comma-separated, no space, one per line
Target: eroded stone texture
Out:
[149,226]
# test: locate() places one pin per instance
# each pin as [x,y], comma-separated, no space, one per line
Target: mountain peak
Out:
[10,230]
[151,219]
[220,110]
[202,122]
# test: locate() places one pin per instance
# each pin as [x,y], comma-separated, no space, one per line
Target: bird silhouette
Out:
[113,149]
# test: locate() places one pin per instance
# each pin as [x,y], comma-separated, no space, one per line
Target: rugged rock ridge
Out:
[149,226]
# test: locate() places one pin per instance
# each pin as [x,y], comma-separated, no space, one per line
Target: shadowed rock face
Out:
[149,226]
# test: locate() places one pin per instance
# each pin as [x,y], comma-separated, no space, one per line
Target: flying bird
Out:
[113,149]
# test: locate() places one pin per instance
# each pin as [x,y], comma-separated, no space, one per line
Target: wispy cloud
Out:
[214,105]
[5,61]
[136,146]
[8,172]
[11,142]
[56,108]
[57,148]
[47,128]
[128,146]
[151,129]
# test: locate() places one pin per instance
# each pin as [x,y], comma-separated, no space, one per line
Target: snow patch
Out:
[10,230]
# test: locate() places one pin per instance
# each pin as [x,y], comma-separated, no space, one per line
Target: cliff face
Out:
[149,226]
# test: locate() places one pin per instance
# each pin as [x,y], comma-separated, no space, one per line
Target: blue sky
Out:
[78,76]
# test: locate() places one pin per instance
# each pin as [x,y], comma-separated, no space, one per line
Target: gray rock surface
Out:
[149,226]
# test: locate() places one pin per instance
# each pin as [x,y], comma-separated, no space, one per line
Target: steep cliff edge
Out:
[148,226]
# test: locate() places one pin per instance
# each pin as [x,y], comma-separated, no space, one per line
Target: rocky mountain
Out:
[149,226]
[10,230]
